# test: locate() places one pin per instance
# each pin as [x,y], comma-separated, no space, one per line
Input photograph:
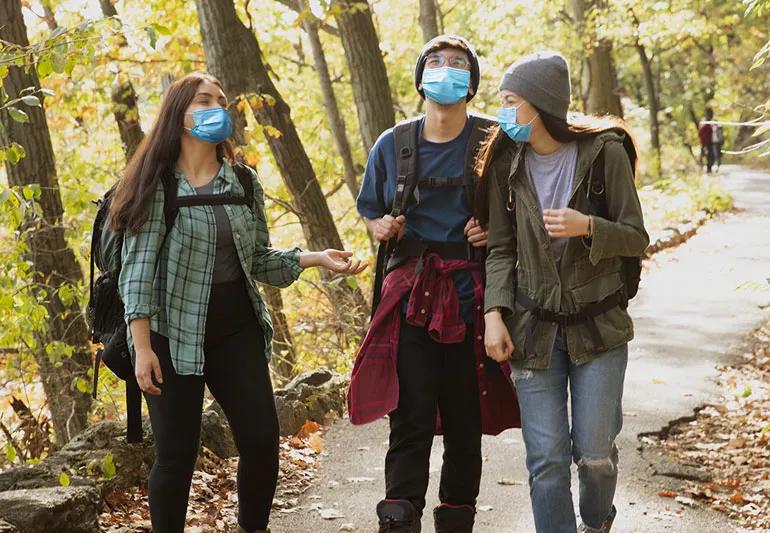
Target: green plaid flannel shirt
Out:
[176,296]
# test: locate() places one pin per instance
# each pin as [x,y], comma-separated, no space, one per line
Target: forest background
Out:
[312,85]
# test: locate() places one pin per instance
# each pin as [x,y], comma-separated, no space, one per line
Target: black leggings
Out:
[236,373]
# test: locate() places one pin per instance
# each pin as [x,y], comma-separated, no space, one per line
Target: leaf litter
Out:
[729,440]
[213,499]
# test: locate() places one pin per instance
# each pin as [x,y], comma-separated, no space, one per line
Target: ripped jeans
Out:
[595,390]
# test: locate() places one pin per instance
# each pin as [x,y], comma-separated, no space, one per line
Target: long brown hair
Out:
[575,128]
[158,153]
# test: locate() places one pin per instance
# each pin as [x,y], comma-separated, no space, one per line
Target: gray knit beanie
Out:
[542,79]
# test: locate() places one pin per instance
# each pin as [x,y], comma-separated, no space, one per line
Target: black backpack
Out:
[631,270]
[405,142]
[105,308]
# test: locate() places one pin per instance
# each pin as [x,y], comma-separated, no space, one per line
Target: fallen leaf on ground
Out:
[329,513]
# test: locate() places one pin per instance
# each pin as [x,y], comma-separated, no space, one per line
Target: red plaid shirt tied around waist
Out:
[433,303]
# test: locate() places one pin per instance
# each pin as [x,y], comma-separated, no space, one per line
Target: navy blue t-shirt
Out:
[441,213]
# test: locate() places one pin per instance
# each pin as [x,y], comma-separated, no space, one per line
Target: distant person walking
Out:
[710,146]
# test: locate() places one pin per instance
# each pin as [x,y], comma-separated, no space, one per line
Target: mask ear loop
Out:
[193,126]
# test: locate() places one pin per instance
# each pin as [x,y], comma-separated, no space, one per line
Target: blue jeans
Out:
[596,389]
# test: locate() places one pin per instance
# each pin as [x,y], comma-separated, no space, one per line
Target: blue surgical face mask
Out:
[212,125]
[446,85]
[506,117]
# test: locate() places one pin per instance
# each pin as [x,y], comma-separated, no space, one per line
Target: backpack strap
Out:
[597,196]
[632,266]
[243,173]
[170,189]
[405,144]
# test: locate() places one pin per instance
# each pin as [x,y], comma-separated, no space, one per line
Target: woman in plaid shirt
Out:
[191,302]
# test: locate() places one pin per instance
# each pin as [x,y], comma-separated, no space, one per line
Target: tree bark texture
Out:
[368,76]
[53,260]
[599,82]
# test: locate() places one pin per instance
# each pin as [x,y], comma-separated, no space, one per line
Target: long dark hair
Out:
[576,127]
[156,154]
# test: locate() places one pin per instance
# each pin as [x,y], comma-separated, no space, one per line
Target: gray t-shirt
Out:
[227,266]
[552,176]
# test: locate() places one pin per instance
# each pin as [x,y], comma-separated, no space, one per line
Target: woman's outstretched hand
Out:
[338,261]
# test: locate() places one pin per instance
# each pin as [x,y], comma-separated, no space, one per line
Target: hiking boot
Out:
[398,516]
[605,527]
[454,518]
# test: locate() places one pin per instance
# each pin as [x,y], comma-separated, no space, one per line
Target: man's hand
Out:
[387,227]
[476,234]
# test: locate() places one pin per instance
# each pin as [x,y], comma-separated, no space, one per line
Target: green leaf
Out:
[59,59]
[746,392]
[108,467]
[29,193]
[351,282]
[44,67]
[69,65]
[10,452]
[160,29]
[153,36]
[15,153]
[64,479]
[83,385]
[18,115]
[47,92]
[66,294]
[31,100]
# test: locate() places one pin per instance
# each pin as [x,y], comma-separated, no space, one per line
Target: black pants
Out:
[431,374]
[712,155]
[236,373]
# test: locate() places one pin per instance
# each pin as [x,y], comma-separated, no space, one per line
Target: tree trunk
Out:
[428,19]
[127,116]
[53,261]
[233,55]
[284,362]
[336,122]
[654,105]
[599,83]
[124,101]
[368,76]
